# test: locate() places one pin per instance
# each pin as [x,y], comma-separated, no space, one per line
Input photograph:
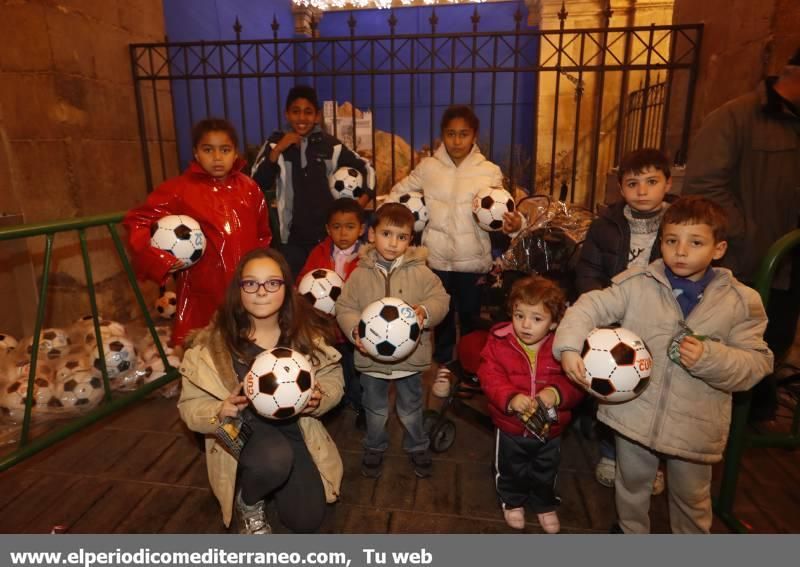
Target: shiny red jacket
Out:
[233,216]
[505,371]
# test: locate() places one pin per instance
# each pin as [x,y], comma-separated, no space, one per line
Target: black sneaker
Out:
[423,463]
[361,420]
[615,529]
[372,464]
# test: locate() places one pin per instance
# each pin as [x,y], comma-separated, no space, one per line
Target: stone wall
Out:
[69,141]
[737,51]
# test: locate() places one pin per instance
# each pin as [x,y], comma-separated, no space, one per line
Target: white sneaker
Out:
[441,384]
[606,471]
[252,519]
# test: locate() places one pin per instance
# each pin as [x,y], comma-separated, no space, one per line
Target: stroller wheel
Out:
[442,437]
[429,419]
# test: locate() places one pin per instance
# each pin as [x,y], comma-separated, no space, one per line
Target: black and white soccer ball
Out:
[389,329]
[180,235]
[108,330]
[321,288]
[279,383]
[119,354]
[346,182]
[80,391]
[155,369]
[14,394]
[415,202]
[618,364]
[75,359]
[7,342]
[167,304]
[489,205]
[49,340]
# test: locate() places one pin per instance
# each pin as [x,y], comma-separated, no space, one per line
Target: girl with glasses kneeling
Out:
[294,460]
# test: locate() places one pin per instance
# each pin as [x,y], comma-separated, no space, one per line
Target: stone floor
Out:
[141,472]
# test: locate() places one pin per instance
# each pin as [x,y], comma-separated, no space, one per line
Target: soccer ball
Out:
[155,369]
[49,339]
[167,304]
[618,364]
[346,182]
[321,288]
[389,329]
[415,201]
[80,391]
[108,330]
[7,342]
[74,360]
[22,369]
[15,393]
[489,205]
[279,383]
[179,235]
[150,352]
[119,354]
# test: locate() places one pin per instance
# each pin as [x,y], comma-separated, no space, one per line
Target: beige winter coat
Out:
[410,280]
[679,413]
[208,379]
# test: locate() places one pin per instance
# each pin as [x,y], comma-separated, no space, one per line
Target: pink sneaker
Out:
[549,522]
[515,517]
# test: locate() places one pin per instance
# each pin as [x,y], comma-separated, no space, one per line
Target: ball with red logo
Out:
[279,383]
[618,364]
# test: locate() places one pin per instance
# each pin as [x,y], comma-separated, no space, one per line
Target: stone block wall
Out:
[69,141]
[743,41]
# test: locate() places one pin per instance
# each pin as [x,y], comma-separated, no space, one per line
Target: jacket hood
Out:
[658,271]
[474,157]
[368,256]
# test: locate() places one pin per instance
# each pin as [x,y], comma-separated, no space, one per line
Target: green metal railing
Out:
[740,436]
[27,447]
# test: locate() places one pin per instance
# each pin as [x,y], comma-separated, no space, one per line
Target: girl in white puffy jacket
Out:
[459,250]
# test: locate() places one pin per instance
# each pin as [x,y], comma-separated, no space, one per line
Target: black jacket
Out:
[605,251]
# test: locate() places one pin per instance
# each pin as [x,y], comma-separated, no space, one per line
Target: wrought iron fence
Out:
[551,102]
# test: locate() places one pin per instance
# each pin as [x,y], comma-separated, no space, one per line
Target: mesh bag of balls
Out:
[68,378]
[618,364]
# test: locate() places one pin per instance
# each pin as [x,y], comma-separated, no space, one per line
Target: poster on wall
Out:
[338,121]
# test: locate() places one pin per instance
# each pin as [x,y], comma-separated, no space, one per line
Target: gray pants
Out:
[688,485]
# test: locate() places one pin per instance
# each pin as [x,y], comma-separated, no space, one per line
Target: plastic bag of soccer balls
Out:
[151,366]
[550,244]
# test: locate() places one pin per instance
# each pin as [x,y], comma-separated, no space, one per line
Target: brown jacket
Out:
[746,157]
[209,377]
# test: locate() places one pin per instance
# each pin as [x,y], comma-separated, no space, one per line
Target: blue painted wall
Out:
[210,20]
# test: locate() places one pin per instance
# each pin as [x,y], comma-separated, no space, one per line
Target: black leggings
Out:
[275,462]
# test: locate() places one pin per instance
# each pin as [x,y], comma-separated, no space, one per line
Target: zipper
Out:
[516,347]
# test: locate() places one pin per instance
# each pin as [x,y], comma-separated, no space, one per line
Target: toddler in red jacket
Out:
[518,374]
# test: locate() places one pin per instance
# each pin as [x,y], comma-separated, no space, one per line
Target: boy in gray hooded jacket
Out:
[713,326]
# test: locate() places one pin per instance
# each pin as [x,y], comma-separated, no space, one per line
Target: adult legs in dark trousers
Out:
[783,310]
[465,300]
[276,462]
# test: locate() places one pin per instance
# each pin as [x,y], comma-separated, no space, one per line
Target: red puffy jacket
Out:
[505,371]
[233,216]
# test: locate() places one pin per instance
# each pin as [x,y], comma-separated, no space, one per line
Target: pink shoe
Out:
[549,522]
[515,517]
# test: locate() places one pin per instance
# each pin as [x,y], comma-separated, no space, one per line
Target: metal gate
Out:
[556,106]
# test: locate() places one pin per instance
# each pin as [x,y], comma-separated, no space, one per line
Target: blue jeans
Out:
[409,410]
[465,299]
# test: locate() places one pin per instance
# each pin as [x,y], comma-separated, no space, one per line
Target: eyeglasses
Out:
[252,286]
